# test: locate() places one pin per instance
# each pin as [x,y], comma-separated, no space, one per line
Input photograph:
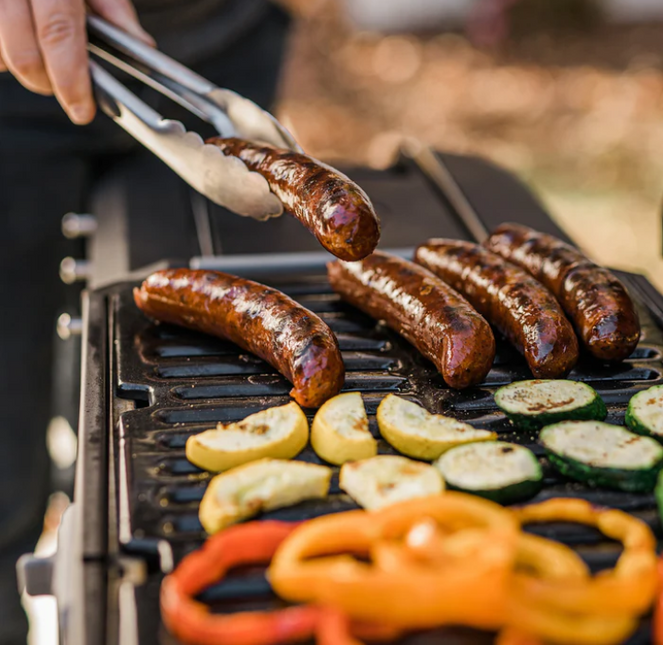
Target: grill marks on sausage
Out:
[428,313]
[513,301]
[594,299]
[259,319]
[329,204]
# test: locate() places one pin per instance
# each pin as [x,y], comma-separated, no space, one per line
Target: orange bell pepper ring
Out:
[600,610]
[398,584]
[629,588]
[512,636]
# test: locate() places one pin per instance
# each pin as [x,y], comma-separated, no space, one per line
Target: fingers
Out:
[60,29]
[123,15]
[20,50]
[43,43]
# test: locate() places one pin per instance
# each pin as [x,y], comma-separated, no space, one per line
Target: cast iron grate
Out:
[185,382]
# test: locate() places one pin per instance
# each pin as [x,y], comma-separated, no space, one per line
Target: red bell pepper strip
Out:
[252,543]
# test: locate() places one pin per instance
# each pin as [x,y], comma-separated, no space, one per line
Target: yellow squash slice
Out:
[279,432]
[417,433]
[386,479]
[339,432]
[262,485]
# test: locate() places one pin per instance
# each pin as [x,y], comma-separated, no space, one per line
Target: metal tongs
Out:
[224,180]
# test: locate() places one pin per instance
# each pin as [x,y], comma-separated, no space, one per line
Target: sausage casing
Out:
[428,313]
[259,319]
[514,302]
[329,204]
[594,299]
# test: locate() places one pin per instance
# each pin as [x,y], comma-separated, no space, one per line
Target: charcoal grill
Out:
[147,387]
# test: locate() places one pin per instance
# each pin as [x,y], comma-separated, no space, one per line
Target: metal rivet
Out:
[75,225]
[72,270]
[68,326]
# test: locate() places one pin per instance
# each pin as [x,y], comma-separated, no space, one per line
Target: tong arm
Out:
[224,180]
[248,120]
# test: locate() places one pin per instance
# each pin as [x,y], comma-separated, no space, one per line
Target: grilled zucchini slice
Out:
[502,472]
[262,485]
[601,454]
[533,404]
[279,432]
[386,479]
[417,433]
[339,432]
[644,414]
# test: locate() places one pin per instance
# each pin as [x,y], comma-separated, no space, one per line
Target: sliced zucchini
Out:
[262,485]
[644,414]
[279,432]
[339,432]
[603,455]
[532,404]
[386,479]
[417,433]
[499,471]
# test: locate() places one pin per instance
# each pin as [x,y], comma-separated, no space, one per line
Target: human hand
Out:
[43,43]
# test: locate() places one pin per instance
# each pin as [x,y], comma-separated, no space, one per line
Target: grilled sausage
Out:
[439,322]
[520,307]
[594,299]
[259,319]
[329,204]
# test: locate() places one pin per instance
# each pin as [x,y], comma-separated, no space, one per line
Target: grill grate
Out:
[183,382]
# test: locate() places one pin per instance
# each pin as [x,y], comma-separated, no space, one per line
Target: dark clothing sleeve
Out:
[196,31]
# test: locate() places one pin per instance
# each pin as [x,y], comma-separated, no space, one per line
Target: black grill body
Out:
[148,387]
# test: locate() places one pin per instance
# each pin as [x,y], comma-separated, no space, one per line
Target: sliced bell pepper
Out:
[251,543]
[562,606]
[629,588]
[548,559]
[512,636]
[566,627]
[397,585]
[453,558]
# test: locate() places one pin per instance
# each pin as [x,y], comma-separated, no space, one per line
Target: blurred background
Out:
[568,94]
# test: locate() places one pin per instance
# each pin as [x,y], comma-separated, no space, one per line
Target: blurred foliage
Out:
[573,105]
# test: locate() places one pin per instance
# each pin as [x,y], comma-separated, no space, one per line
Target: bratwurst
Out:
[438,321]
[594,299]
[259,319]
[514,302]
[325,201]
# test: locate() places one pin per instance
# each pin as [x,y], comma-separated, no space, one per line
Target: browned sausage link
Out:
[514,302]
[439,322]
[259,319]
[596,301]
[329,204]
